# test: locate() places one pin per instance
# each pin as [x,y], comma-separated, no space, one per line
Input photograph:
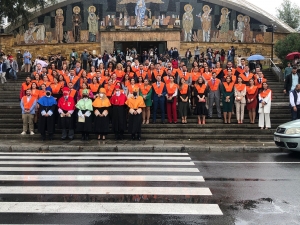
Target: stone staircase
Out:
[213,131]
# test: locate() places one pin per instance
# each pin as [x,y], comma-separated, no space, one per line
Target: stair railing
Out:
[276,70]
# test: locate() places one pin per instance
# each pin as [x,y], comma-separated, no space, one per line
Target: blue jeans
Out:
[13,74]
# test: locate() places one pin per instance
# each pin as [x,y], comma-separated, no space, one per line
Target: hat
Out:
[102,90]
[49,89]
[85,91]
[117,87]
[66,89]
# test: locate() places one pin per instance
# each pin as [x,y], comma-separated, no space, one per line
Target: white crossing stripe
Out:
[110,208]
[96,157]
[101,169]
[138,178]
[113,190]
[94,153]
[158,163]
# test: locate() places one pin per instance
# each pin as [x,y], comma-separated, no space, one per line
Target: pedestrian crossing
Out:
[104,183]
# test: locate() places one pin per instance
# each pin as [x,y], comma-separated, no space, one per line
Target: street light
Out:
[272,28]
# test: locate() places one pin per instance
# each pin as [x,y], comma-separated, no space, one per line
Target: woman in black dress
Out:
[101,107]
[200,93]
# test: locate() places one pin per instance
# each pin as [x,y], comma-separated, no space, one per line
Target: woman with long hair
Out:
[172,92]
[228,91]
[183,100]
[119,71]
[200,93]
[240,100]
[251,96]
[265,99]
[146,93]
[94,86]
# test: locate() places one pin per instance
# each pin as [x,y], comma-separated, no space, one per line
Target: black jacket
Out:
[288,82]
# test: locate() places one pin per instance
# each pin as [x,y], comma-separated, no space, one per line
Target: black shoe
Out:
[220,117]
[139,138]
[63,139]
[209,117]
[82,137]
[163,122]
[133,137]
[71,138]
[87,137]
[153,122]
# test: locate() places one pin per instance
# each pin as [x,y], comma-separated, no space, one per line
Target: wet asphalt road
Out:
[250,188]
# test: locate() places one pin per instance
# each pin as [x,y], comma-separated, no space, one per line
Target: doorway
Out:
[140,46]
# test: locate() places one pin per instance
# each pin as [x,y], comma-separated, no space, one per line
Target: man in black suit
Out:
[291,80]
[2,71]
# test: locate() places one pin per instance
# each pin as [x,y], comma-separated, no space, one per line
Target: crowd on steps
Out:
[121,92]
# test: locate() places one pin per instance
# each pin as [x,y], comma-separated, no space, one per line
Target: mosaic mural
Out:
[198,21]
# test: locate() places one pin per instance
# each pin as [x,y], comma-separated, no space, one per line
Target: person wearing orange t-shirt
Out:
[25,86]
[171,97]
[200,93]
[246,75]
[240,100]
[158,97]
[228,92]
[183,100]
[146,93]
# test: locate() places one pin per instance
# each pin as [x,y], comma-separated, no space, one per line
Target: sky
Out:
[270,5]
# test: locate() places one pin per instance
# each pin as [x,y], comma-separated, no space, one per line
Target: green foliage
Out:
[17,10]
[290,44]
[289,13]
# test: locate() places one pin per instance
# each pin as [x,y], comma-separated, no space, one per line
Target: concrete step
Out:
[215,138]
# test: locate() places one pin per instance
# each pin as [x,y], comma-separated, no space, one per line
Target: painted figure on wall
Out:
[40,34]
[93,23]
[239,32]
[59,19]
[76,19]
[140,10]
[188,22]
[28,35]
[206,23]
[224,21]
[247,32]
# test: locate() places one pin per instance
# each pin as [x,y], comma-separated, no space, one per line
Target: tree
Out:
[285,46]
[17,10]
[289,13]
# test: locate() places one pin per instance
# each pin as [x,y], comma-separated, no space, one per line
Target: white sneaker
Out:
[23,133]
[31,133]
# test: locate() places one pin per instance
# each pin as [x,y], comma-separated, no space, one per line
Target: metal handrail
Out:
[272,63]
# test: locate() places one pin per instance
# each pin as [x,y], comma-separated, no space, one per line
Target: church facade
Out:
[105,24]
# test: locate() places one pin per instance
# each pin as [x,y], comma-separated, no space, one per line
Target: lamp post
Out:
[273,28]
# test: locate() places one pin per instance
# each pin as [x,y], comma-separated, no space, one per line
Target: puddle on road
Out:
[249,204]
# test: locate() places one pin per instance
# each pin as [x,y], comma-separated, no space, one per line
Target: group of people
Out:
[89,101]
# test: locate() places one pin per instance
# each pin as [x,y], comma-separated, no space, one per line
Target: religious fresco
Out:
[198,21]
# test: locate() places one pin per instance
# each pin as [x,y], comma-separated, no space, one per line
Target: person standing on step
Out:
[101,110]
[295,102]
[158,98]
[171,98]
[183,100]
[227,91]
[66,108]
[28,104]
[85,110]
[135,104]
[251,97]
[27,61]
[265,99]
[291,81]
[200,93]
[240,100]
[47,105]
[2,71]
[118,113]
[146,93]
[214,93]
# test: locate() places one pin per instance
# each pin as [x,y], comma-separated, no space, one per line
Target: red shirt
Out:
[66,104]
[118,100]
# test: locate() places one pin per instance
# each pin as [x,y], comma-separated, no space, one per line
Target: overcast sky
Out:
[271,5]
